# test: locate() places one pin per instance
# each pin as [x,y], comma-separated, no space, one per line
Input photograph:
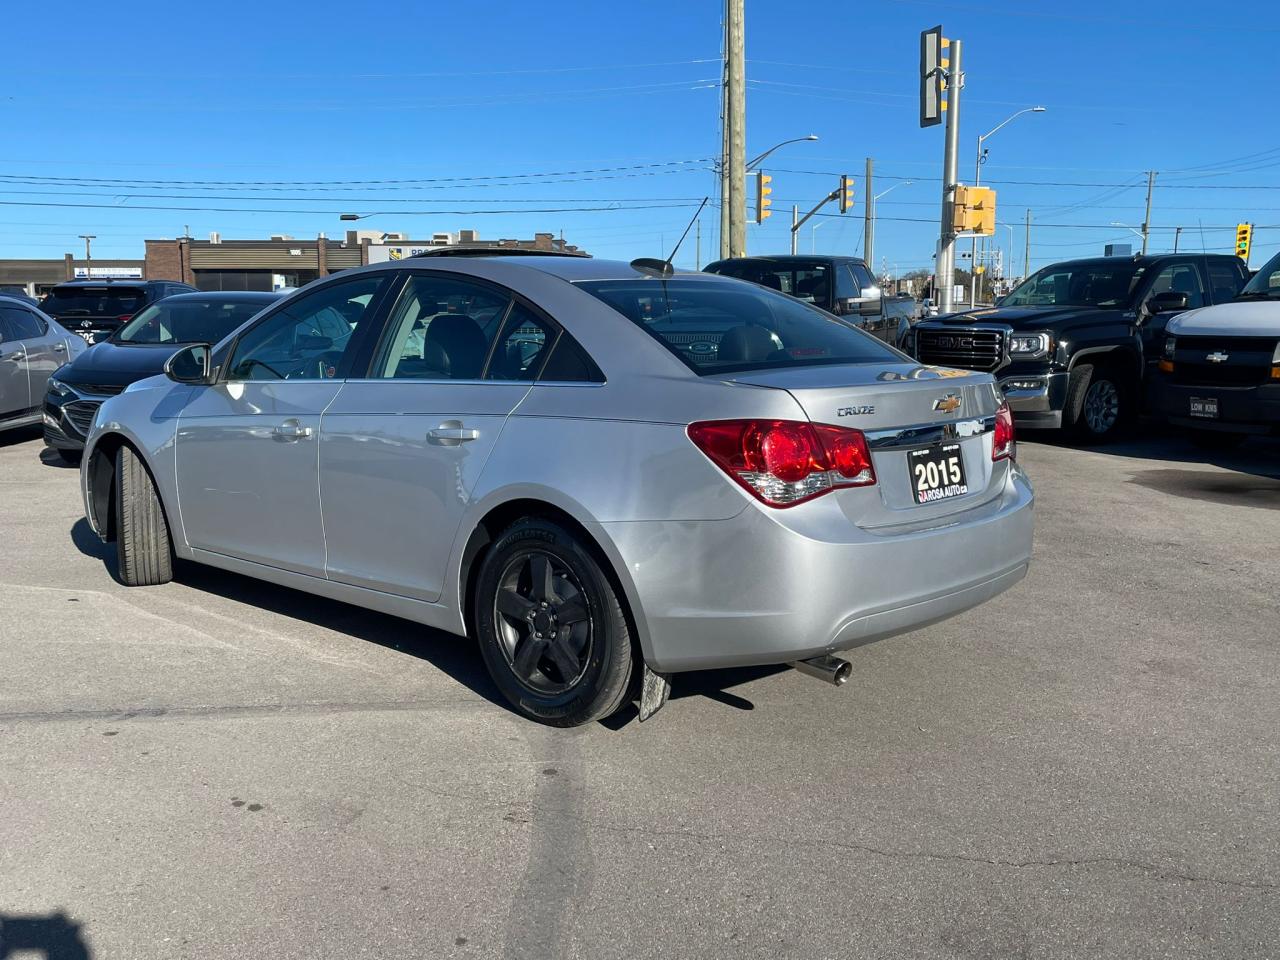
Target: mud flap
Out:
[654,690]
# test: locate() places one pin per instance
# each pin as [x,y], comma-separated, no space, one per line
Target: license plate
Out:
[1206,407]
[937,473]
[87,334]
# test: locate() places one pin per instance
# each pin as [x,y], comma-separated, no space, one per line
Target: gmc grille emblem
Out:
[954,343]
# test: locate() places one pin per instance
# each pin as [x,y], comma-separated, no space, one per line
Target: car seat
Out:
[455,346]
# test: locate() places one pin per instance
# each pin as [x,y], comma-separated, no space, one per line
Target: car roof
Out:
[1139,259]
[225,296]
[109,282]
[572,269]
[789,258]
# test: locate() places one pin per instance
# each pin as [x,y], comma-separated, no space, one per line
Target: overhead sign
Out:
[931,70]
[108,273]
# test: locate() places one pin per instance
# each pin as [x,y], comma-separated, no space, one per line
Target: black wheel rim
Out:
[543,622]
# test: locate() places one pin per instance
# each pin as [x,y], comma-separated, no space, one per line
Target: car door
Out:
[401,449]
[45,347]
[15,389]
[1181,275]
[247,445]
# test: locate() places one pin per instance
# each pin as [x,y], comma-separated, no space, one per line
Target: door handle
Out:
[291,430]
[60,348]
[451,433]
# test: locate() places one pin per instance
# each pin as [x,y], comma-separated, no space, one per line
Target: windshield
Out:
[93,302]
[1078,285]
[186,321]
[804,281]
[721,327]
[1265,283]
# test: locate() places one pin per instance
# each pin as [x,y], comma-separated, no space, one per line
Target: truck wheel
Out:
[144,549]
[551,626]
[1216,440]
[1099,403]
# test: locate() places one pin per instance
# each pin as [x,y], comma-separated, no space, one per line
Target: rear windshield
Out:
[719,327]
[186,321]
[93,301]
[804,281]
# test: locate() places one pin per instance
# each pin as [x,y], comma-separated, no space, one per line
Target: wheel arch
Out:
[1120,356]
[499,516]
[100,467]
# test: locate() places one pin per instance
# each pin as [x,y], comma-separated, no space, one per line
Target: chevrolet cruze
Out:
[605,473]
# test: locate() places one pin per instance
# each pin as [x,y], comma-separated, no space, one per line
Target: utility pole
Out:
[868,221]
[945,266]
[88,259]
[1146,221]
[736,122]
[1026,253]
[795,227]
[723,163]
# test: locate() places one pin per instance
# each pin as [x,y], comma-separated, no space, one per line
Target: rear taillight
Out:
[124,318]
[1003,444]
[785,462]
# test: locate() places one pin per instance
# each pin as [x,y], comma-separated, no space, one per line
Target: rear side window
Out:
[94,301]
[569,363]
[726,327]
[1225,281]
[21,324]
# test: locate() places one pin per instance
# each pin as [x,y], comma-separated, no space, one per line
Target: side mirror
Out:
[192,364]
[1168,301]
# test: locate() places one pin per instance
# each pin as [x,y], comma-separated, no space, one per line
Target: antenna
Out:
[1201,222]
[662,268]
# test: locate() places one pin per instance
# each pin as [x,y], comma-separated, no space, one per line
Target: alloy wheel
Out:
[1102,406]
[544,623]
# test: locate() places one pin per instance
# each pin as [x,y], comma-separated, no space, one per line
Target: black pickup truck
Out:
[1074,344]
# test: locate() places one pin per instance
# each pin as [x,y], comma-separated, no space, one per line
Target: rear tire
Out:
[144,548]
[1100,403]
[551,627]
[1215,440]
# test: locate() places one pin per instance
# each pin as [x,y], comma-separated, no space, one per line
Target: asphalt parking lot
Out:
[1088,766]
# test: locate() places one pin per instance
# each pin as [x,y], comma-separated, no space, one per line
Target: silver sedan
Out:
[32,346]
[605,473]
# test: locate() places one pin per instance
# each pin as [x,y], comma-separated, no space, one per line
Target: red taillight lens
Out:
[124,317]
[785,462]
[1003,444]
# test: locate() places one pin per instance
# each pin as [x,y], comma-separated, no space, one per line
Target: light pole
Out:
[872,211]
[88,259]
[813,236]
[977,182]
[751,165]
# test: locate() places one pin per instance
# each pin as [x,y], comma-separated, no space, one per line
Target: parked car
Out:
[1219,375]
[1073,344]
[134,352]
[32,346]
[603,508]
[95,308]
[18,293]
[840,285]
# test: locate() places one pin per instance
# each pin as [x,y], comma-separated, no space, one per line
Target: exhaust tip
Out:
[833,670]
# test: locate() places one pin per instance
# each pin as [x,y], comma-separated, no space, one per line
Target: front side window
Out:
[717,327]
[441,329]
[1078,285]
[186,321]
[307,338]
[1180,278]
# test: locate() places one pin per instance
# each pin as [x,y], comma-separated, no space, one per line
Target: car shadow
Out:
[16,436]
[52,937]
[456,656]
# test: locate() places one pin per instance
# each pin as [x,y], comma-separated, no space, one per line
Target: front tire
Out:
[551,626]
[144,549]
[1100,404]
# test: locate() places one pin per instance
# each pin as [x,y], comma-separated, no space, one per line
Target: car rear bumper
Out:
[755,590]
[1253,409]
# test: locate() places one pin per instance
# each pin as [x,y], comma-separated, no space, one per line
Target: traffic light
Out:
[763,203]
[960,209]
[847,195]
[974,210]
[1244,240]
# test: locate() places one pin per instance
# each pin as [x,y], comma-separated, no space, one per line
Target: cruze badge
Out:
[855,411]
[1217,357]
[947,404]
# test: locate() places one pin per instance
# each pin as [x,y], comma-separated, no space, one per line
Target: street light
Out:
[872,211]
[977,182]
[751,165]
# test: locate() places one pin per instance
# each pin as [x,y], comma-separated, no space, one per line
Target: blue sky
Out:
[606,105]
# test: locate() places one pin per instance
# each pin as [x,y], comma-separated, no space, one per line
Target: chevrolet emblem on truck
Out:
[1217,357]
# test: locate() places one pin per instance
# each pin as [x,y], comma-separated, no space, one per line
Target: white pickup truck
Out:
[1219,373]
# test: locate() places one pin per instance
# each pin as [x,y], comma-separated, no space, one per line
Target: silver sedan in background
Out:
[605,473]
[32,346]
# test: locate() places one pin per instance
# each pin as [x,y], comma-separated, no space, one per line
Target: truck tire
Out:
[144,549]
[1100,403]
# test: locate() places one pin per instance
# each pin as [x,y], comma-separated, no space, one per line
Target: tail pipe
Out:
[831,669]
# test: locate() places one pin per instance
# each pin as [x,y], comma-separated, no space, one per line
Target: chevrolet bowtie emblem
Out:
[1217,357]
[947,404]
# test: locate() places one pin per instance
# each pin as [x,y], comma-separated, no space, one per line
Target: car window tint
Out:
[722,327]
[441,329]
[1180,278]
[806,280]
[186,321]
[94,301]
[308,337]
[569,363]
[22,324]
[1225,281]
[522,346]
